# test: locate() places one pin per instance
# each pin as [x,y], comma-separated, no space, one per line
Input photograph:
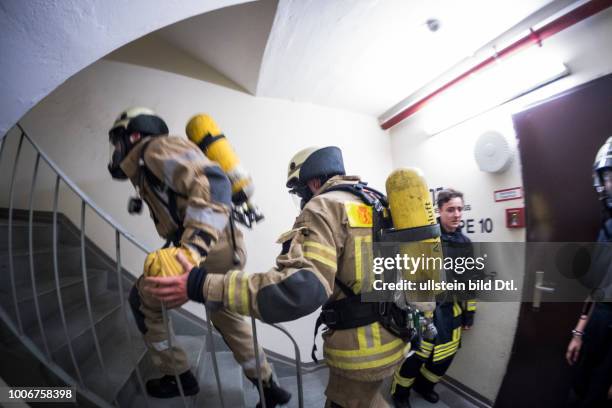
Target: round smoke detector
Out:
[492,152]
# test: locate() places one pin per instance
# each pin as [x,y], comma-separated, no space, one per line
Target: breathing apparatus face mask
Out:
[117,152]
[303,192]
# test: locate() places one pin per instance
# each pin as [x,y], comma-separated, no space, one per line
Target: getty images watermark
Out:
[491,271]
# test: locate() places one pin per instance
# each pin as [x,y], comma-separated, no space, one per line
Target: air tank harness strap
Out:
[207,141]
[235,257]
[156,186]
[411,234]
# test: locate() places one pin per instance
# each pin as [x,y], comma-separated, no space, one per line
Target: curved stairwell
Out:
[65,320]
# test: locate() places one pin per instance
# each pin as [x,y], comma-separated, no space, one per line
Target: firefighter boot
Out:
[273,394]
[401,397]
[167,387]
[426,389]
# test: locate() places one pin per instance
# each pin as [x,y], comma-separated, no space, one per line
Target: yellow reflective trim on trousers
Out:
[244,292]
[320,258]
[424,354]
[325,248]
[445,346]
[361,338]
[369,336]
[231,297]
[429,375]
[426,345]
[368,364]
[445,354]
[376,334]
[404,382]
[365,352]
[457,334]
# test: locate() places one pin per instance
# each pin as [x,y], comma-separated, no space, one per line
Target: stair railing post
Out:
[213,355]
[258,363]
[43,335]
[88,301]
[2,144]
[125,315]
[167,327]
[10,237]
[298,363]
[57,283]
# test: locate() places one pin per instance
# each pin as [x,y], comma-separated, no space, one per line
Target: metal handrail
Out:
[88,300]
[57,285]
[31,251]
[213,355]
[257,363]
[86,201]
[81,194]
[10,236]
[125,315]
[298,363]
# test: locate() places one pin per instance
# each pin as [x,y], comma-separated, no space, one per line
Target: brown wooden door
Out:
[558,140]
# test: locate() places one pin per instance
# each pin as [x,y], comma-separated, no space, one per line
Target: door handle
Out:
[539,288]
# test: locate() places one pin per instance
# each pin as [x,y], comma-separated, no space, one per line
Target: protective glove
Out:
[171,277]
[163,262]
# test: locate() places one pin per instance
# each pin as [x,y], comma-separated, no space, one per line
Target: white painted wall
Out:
[43,43]
[447,160]
[72,124]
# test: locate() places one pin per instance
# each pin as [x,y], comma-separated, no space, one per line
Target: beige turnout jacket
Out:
[331,238]
[176,178]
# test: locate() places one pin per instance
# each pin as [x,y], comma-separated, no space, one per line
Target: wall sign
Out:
[508,194]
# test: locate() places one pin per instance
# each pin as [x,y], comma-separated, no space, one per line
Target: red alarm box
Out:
[515,217]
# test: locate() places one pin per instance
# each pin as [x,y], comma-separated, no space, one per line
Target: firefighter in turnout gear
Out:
[424,369]
[321,262]
[189,199]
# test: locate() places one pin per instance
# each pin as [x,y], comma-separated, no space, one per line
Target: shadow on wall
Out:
[146,52]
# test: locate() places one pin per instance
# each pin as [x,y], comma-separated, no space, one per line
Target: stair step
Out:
[131,394]
[42,235]
[251,392]
[110,325]
[77,319]
[71,288]
[231,382]
[229,370]
[314,385]
[69,264]
[118,353]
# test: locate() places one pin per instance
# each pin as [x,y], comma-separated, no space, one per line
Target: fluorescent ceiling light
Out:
[498,84]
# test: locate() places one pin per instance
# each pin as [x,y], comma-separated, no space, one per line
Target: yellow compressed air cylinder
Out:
[409,199]
[204,131]
[411,207]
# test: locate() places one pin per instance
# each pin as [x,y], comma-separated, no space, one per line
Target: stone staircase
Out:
[114,380]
